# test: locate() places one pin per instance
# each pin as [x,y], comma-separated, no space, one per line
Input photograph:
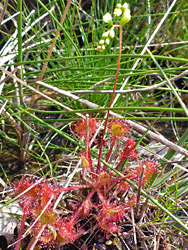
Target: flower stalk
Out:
[111,100]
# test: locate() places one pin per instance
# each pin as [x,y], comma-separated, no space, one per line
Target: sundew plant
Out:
[103,194]
[89,93]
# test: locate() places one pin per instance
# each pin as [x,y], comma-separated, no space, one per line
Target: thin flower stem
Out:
[108,112]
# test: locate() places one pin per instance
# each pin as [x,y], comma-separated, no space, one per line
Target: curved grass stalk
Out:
[129,108]
[158,57]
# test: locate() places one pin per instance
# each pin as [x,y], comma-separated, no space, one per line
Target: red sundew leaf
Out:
[151,168]
[123,186]
[67,232]
[27,199]
[119,128]
[110,215]
[80,128]
[109,227]
[128,151]
[104,177]
[48,235]
[46,192]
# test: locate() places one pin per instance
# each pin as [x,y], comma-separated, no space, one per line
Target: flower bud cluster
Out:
[121,11]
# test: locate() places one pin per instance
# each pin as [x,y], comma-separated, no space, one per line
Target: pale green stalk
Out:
[19,24]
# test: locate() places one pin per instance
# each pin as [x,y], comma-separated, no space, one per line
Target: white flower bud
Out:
[107,18]
[107,41]
[103,47]
[118,5]
[99,49]
[126,16]
[105,34]
[117,12]
[125,6]
[101,42]
[111,33]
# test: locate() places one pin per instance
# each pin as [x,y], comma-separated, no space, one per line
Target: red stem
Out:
[101,197]
[120,163]
[111,147]
[75,216]
[62,189]
[21,230]
[108,112]
[35,238]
